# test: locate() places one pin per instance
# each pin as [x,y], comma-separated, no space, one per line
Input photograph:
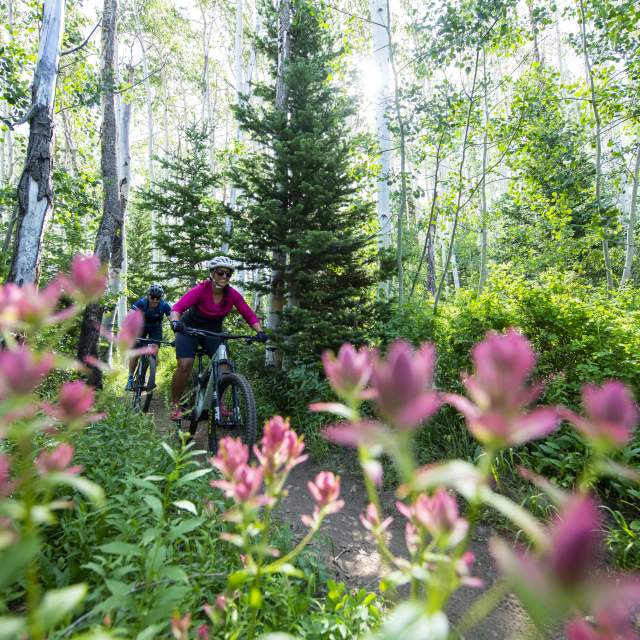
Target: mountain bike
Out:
[219,394]
[144,377]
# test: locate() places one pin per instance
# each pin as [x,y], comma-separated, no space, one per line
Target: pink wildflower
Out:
[371,520]
[575,540]
[280,447]
[232,454]
[403,385]
[74,401]
[463,571]
[130,329]
[202,633]
[221,602]
[87,280]
[180,626]
[21,371]
[243,485]
[438,515]
[325,490]
[29,305]
[57,460]
[349,373]
[608,624]
[611,414]
[499,393]
[373,471]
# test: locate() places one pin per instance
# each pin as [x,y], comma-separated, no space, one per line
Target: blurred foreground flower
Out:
[57,460]
[349,372]
[500,393]
[21,370]
[75,400]
[611,415]
[403,385]
[87,279]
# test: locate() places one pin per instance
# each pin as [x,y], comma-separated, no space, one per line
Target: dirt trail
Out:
[351,555]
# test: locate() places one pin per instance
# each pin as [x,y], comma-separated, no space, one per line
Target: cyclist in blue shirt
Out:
[153,307]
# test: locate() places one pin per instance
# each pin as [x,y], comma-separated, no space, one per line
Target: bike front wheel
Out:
[238,417]
[139,382]
[149,384]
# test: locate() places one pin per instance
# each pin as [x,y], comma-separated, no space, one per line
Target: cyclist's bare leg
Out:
[180,378]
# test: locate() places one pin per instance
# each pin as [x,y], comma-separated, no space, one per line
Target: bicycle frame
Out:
[209,399]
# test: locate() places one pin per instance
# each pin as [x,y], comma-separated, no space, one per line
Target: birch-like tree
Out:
[35,189]
[109,238]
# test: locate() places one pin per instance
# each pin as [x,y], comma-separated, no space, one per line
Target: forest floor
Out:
[350,555]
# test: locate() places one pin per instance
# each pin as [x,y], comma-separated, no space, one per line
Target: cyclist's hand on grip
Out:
[261,336]
[177,326]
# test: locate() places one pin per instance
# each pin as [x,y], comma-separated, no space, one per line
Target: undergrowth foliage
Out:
[167,550]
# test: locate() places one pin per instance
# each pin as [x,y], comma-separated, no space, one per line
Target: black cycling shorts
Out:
[186,345]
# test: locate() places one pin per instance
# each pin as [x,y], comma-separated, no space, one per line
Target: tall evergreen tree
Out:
[302,185]
[190,220]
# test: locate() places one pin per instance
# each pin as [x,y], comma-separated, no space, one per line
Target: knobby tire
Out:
[150,382]
[243,403]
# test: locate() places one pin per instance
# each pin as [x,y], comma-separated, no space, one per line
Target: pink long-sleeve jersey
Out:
[201,298]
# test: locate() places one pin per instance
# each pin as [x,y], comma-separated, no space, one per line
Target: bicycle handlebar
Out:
[214,334]
[158,342]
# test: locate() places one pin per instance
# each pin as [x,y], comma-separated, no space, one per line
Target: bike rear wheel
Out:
[236,395]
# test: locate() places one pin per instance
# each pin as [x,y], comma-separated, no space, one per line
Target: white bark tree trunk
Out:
[108,246]
[598,140]
[630,244]
[35,190]
[276,297]
[483,186]
[380,36]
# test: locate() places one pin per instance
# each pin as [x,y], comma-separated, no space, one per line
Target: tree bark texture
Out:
[598,140]
[35,189]
[109,237]
[380,20]
[277,292]
[630,244]
[483,187]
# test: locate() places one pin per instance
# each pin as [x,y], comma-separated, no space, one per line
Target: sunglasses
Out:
[223,273]
[154,297]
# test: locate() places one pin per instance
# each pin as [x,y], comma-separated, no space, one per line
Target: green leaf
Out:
[409,621]
[14,560]
[89,489]
[120,548]
[155,505]
[150,632]
[192,476]
[11,627]
[175,573]
[187,505]
[237,579]
[117,587]
[58,603]
[169,450]
[183,527]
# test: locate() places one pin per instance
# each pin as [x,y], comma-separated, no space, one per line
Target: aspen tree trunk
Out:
[8,136]
[598,136]
[380,20]
[630,244]
[35,189]
[108,244]
[165,112]
[483,186]
[403,170]
[277,297]
[118,270]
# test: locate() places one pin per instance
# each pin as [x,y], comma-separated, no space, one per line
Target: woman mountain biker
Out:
[205,307]
[153,307]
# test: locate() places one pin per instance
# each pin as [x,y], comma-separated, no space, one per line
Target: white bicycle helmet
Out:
[221,261]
